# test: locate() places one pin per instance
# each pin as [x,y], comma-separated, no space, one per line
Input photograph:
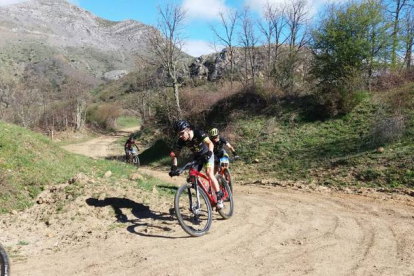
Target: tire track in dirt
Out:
[274,231]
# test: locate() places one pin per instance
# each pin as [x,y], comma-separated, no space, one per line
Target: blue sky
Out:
[200,15]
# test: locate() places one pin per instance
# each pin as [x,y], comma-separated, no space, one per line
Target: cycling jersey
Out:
[196,145]
[218,146]
[129,144]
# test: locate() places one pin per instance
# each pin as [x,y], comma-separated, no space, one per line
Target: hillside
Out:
[29,162]
[108,226]
[57,36]
[284,141]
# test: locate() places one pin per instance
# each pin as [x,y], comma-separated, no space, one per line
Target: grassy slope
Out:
[338,151]
[29,161]
[280,142]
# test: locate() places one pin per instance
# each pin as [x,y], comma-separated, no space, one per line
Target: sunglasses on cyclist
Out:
[214,137]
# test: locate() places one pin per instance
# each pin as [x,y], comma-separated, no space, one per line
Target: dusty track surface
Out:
[274,231]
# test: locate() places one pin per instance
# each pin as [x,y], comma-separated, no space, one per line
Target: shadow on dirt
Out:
[120,158]
[141,212]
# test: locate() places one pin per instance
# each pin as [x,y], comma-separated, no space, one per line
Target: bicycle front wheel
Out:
[136,161]
[4,263]
[227,211]
[193,211]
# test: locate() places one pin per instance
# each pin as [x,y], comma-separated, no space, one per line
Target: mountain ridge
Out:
[37,31]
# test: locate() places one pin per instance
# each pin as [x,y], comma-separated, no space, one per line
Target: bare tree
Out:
[268,30]
[298,37]
[228,22]
[409,37]
[75,94]
[166,45]
[272,30]
[26,103]
[5,97]
[249,40]
[396,10]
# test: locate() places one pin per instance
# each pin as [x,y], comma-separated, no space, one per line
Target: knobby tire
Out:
[4,263]
[135,161]
[228,202]
[186,218]
[227,176]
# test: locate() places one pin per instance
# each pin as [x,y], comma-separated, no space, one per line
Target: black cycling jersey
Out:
[218,146]
[196,145]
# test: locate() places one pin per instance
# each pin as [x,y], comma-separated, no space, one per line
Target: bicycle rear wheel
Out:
[193,212]
[227,177]
[4,263]
[227,211]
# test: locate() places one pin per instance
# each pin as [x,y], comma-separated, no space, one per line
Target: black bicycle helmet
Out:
[180,125]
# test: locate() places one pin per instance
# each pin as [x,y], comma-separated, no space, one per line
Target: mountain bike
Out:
[224,170]
[132,158]
[4,262]
[194,201]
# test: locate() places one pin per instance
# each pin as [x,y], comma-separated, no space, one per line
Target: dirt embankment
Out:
[116,229]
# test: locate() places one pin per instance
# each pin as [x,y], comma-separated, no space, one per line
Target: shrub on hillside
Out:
[339,99]
[389,80]
[103,116]
[387,129]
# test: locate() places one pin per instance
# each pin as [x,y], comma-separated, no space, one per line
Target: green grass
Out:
[30,161]
[338,151]
[23,243]
[127,122]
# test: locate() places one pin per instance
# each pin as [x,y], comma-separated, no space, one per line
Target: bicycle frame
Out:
[206,187]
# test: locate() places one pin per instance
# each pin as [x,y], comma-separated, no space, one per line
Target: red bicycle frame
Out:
[206,186]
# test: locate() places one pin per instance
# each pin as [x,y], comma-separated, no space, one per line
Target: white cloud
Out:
[10,2]
[204,9]
[258,5]
[198,48]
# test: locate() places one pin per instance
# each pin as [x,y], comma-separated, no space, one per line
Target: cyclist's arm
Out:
[209,143]
[136,145]
[230,147]
[174,156]
[175,153]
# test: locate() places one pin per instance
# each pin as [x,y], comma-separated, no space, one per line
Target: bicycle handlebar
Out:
[183,168]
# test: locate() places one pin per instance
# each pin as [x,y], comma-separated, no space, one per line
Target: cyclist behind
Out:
[202,148]
[129,147]
[219,150]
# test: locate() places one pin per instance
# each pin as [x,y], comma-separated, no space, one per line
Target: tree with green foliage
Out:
[344,46]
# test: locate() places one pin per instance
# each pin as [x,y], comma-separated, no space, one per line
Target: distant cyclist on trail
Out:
[219,150]
[129,146]
[202,148]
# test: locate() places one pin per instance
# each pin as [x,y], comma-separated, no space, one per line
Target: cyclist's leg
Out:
[216,163]
[210,174]
[128,154]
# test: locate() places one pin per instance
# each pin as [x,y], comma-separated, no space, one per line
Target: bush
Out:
[103,116]
[387,129]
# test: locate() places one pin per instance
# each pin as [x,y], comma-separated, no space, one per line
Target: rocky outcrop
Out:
[210,67]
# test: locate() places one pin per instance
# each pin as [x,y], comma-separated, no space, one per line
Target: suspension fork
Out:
[190,197]
[195,206]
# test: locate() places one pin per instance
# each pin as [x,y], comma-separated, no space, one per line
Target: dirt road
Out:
[274,231]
